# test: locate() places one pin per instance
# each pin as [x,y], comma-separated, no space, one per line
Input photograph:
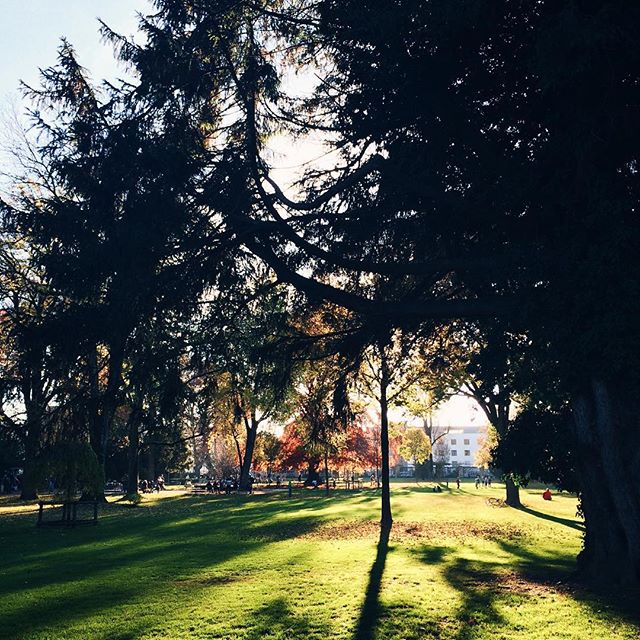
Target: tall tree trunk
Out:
[247,460]
[427,426]
[133,453]
[386,518]
[107,407]
[326,469]
[151,463]
[95,426]
[608,474]
[28,490]
[32,441]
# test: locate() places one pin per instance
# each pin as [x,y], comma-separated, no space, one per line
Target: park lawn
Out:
[177,566]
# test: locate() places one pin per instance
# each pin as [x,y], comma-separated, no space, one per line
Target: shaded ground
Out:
[273,567]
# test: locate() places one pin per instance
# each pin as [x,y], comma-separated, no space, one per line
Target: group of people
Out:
[10,483]
[149,486]
[485,481]
[226,485]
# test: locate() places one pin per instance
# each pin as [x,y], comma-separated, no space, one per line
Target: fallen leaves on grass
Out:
[511,582]
[401,531]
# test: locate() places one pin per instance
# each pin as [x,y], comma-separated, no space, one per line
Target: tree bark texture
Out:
[513,492]
[608,464]
[247,460]
[34,406]
[313,475]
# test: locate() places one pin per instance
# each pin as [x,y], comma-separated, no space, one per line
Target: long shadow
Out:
[370,611]
[192,539]
[573,524]
[277,619]
[483,584]
[475,584]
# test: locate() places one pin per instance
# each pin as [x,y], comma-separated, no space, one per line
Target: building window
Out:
[467,452]
[466,441]
[453,453]
[454,441]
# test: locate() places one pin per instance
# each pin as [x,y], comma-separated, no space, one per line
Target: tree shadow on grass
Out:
[276,619]
[53,579]
[567,522]
[560,571]
[483,584]
[371,609]
[476,586]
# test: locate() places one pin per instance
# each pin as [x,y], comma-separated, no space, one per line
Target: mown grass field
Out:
[308,567]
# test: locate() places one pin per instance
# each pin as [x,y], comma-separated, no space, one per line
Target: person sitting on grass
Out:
[546,494]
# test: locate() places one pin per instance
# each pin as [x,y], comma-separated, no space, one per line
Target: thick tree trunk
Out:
[107,407]
[34,406]
[513,492]
[247,460]
[608,475]
[95,426]
[386,518]
[312,472]
[28,490]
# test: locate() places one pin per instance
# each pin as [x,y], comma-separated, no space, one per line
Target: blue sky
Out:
[30,31]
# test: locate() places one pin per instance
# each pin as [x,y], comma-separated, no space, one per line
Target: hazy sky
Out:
[30,32]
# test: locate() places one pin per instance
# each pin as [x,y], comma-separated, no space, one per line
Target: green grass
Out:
[278,568]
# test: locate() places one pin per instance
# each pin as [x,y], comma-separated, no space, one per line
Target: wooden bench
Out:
[199,489]
[68,514]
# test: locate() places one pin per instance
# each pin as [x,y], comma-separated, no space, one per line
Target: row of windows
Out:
[454,452]
[455,441]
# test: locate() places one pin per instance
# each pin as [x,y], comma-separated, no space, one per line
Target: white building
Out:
[460,445]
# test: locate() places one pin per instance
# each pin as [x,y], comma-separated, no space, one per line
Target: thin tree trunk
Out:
[386,517]
[326,469]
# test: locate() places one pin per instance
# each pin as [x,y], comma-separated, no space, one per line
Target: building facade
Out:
[460,445]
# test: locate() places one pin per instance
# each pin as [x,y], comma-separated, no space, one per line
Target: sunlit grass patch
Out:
[273,567]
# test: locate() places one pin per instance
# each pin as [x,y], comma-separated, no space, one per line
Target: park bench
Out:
[72,512]
[199,488]
[114,491]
